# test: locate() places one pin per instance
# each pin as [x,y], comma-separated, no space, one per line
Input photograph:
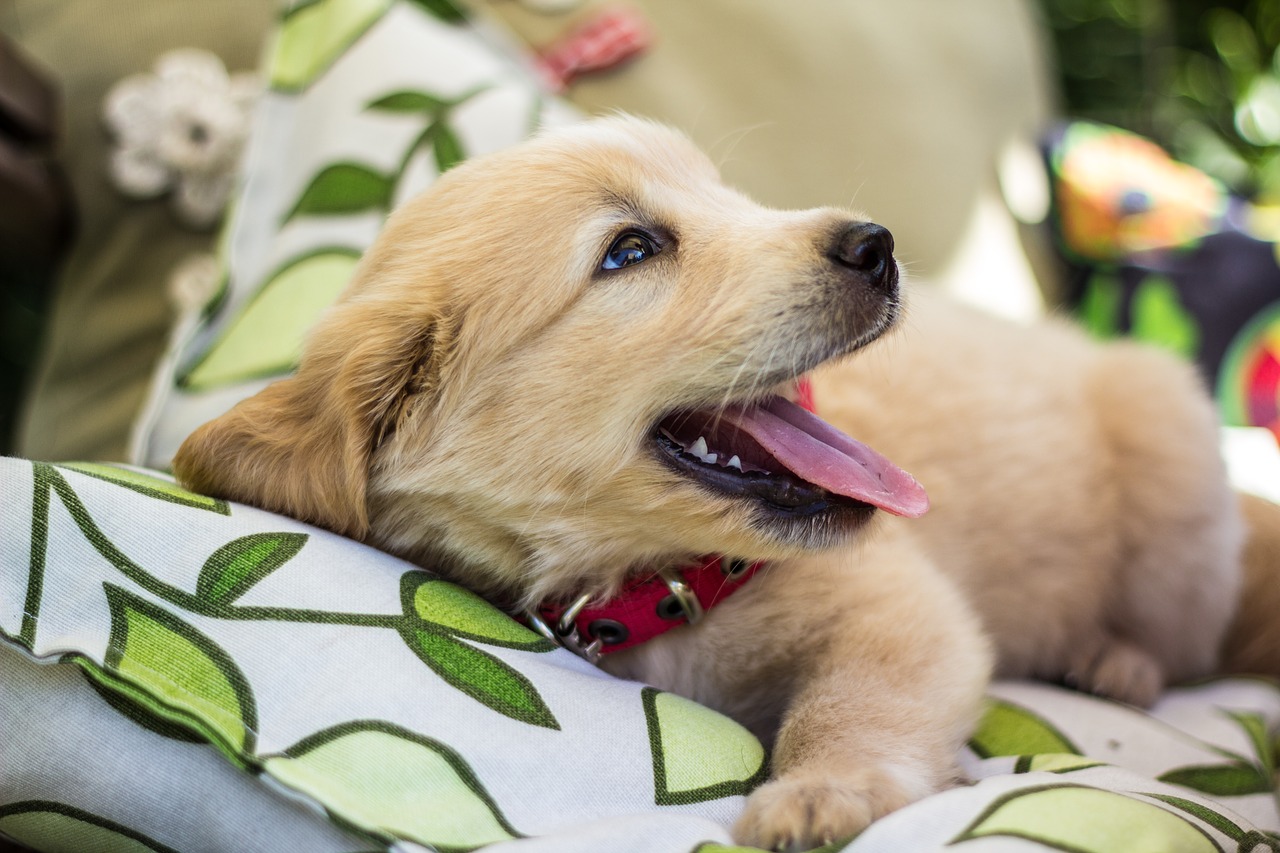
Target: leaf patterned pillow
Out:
[367,102]
[404,707]
[183,673]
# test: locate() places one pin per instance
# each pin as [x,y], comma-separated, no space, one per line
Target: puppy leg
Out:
[1180,528]
[878,715]
[1116,668]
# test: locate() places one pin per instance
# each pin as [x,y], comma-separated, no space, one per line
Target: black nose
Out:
[866,248]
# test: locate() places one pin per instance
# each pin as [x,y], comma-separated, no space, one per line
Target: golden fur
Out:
[482,401]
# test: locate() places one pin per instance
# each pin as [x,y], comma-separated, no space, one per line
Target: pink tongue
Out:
[819,453]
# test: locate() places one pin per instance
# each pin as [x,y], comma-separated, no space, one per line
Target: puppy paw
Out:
[795,814]
[1124,672]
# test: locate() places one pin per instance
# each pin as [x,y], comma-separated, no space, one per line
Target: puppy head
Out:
[513,386]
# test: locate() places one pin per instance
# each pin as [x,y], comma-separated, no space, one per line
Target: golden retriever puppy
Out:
[574,362]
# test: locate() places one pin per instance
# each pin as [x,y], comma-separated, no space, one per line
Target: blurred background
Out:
[1201,78]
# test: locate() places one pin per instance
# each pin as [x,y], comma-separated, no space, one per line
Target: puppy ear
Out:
[302,447]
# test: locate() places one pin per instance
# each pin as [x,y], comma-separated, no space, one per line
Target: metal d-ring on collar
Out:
[684,595]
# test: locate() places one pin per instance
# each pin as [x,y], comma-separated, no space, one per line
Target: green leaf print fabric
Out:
[160,652]
[404,707]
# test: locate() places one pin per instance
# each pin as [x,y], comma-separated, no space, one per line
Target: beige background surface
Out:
[900,109]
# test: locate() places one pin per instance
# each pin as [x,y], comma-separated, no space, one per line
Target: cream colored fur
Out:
[481,401]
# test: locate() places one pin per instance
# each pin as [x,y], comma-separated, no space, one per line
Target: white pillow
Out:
[400,705]
[367,101]
[177,672]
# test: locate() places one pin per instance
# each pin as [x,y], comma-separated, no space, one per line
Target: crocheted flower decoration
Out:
[181,128]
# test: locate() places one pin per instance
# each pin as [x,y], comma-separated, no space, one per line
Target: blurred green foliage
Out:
[1201,78]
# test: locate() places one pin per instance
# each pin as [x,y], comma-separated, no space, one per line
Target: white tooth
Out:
[711,458]
[734,462]
[699,448]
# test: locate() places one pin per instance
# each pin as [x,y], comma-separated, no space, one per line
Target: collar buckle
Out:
[564,632]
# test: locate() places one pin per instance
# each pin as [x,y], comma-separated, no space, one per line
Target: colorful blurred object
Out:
[1161,252]
[1249,381]
[1120,194]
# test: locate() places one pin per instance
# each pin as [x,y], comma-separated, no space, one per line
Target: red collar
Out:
[644,608]
[647,607]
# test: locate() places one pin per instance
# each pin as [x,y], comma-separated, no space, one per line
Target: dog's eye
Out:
[630,248]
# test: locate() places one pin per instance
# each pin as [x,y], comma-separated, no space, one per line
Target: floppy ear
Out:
[302,446]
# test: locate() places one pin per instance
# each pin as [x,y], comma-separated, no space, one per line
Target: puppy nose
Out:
[866,248]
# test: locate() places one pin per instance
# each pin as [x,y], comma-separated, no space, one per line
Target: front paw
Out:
[799,813]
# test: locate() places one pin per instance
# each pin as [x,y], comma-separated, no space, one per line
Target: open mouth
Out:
[785,457]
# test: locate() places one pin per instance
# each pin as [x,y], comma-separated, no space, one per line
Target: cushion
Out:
[367,101]
[901,109]
[183,673]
